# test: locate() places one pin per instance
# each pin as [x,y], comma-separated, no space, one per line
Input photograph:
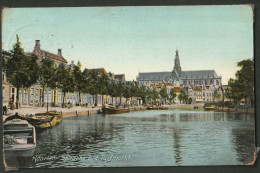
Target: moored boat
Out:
[19,138]
[209,108]
[163,108]
[157,108]
[41,120]
[108,109]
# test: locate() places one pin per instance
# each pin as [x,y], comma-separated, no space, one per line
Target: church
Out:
[201,84]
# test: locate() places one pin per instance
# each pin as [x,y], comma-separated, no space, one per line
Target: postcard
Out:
[128,86]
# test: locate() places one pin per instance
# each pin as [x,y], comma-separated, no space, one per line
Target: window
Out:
[45,96]
[31,95]
[37,96]
[217,82]
[59,96]
[25,96]
[20,95]
[49,96]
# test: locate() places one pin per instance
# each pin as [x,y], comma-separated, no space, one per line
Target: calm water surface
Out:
[147,138]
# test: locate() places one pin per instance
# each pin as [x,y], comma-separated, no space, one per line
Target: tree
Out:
[243,85]
[142,93]
[155,94]
[79,79]
[22,70]
[102,85]
[112,89]
[172,94]
[127,93]
[65,80]
[133,90]
[216,95]
[93,85]
[47,75]
[163,93]
[183,96]
[149,94]
[120,90]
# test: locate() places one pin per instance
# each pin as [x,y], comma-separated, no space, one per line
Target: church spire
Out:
[177,65]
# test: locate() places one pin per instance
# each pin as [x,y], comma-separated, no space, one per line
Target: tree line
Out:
[24,70]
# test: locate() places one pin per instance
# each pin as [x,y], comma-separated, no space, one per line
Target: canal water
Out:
[147,138]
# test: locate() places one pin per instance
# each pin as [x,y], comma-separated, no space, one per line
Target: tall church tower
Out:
[177,66]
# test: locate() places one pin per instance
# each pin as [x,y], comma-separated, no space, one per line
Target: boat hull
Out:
[41,120]
[157,108]
[209,108]
[115,111]
[22,151]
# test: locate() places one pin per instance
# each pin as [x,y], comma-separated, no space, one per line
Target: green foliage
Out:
[243,85]
[93,88]
[22,71]
[112,88]
[65,79]
[216,94]
[163,92]
[172,94]
[183,96]
[155,94]
[149,93]
[103,82]
[142,93]
[79,79]
[47,73]
[127,93]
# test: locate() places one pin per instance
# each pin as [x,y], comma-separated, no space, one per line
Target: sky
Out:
[129,40]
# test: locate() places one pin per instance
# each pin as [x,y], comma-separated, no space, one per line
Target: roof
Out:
[184,75]
[197,88]
[155,76]
[199,74]
[177,89]
[99,70]
[54,56]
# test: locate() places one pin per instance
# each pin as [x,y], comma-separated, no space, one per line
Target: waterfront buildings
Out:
[200,84]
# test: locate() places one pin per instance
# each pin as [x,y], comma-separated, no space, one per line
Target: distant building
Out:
[201,83]
[120,77]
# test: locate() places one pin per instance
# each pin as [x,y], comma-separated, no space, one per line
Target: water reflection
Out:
[147,138]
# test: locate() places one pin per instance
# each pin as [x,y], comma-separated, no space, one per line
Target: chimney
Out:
[59,52]
[37,43]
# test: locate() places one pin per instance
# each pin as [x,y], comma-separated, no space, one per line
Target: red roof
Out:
[54,56]
[99,70]
[177,89]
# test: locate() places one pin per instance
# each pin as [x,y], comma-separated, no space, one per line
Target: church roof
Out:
[184,74]
[154,76]
[199,74]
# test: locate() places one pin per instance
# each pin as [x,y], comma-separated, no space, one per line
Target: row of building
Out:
[33,96]
[200,85]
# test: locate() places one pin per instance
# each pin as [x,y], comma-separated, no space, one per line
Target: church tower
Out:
[177,66]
